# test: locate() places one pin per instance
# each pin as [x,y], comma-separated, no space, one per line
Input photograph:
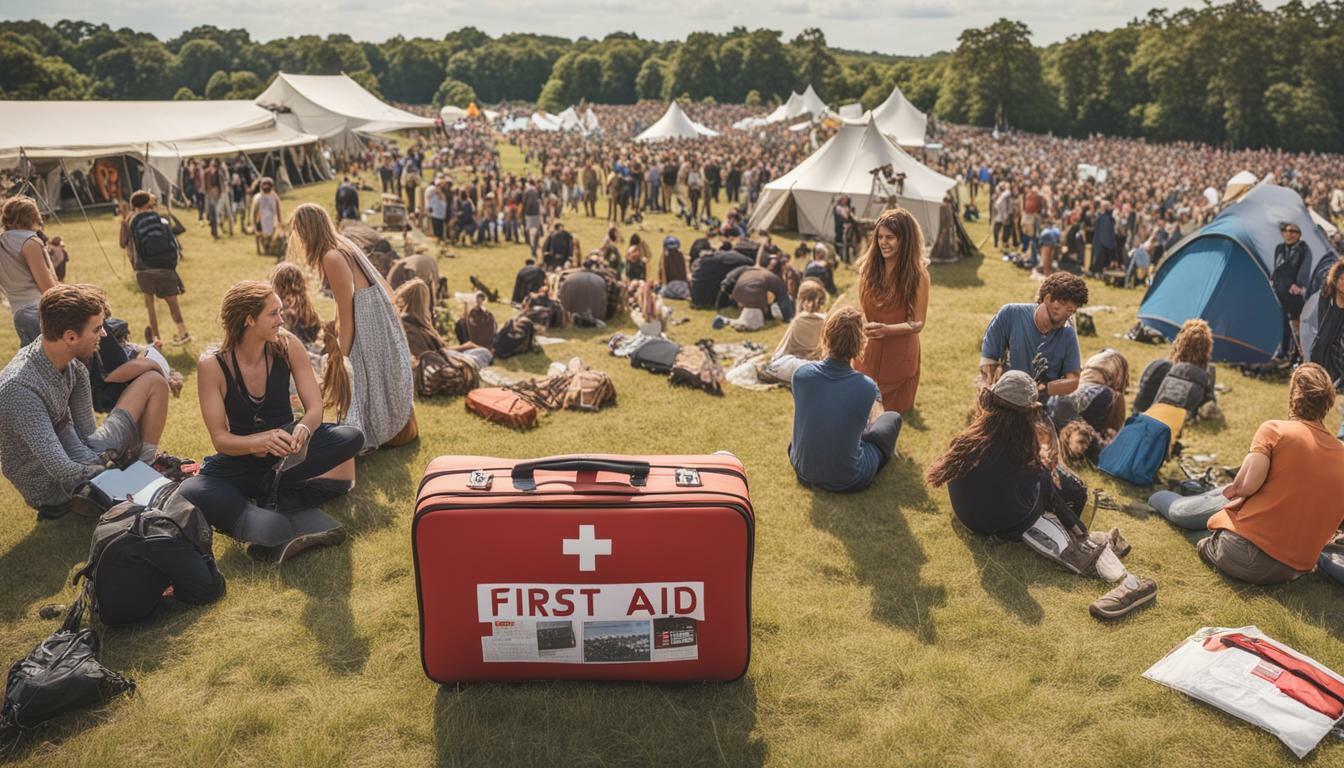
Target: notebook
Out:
[138,482]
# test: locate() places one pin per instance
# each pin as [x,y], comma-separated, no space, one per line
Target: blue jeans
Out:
[1189,512]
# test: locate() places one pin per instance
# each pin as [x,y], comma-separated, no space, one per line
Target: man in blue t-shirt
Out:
[834,446]
[1038,339]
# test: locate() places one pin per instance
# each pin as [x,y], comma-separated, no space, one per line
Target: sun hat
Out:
[1015,389]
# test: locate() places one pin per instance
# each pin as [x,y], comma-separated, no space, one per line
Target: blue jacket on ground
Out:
[831,402]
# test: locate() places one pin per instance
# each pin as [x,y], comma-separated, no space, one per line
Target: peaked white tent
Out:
[812,104]
[545,121]
[335,108]
[590,123]
[899,119]
[674,124]
[52,136]
[451,114]
[804,198]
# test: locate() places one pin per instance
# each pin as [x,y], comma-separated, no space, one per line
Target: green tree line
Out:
[1231,74]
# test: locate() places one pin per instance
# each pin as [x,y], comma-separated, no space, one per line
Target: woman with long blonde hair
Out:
[300,316]
[368,331]
[244,393]
[893,291]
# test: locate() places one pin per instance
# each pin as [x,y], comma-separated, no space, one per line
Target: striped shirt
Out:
[46,458]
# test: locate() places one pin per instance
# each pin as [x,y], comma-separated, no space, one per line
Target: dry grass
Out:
[882,635]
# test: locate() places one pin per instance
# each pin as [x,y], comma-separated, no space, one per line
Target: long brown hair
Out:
[291,285]
[902,287]
[245,300]
[314,235]
[337,390]
[992,426]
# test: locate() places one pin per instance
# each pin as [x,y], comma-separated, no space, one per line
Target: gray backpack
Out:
[168,513]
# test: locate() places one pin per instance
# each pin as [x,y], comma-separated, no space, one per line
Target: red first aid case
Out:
[589,567]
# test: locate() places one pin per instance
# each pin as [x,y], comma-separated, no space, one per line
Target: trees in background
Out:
[1235,73]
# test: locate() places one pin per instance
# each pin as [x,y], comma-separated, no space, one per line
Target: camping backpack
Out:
[1138,450]
[697,366]
[440,374]
[655,356]
[588,390]
[476,326]
[1185,386]
[155,246]
[168,513]
[516,337]
[501,406]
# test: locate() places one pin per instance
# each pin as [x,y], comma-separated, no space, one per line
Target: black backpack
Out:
[515,338]
[655,356]
[155,246]
[168,513]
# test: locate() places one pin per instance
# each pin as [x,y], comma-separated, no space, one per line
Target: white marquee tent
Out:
[804,198]
[797,105]
[52,136]
[674,124]
[899,119]
[335,108]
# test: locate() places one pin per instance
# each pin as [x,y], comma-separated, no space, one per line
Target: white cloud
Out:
[887,26]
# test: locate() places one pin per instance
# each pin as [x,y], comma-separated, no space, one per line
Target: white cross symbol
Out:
[587,547]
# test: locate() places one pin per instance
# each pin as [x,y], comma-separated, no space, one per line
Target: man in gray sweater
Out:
[50,444]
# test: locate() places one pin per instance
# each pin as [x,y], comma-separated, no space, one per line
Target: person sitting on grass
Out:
[835,447]
[1037,339]
[801,343]
[1270,525]
[155,252]
[50,444]
[254,432]
[1001,478]
[1099,399]
[417,320]
[1185,377]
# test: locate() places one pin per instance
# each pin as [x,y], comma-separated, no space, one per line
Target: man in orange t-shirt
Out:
[1288,499]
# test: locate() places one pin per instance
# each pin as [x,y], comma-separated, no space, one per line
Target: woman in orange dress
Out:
[894,294]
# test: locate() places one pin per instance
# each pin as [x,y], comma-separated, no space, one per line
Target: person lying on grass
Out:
[1002,480]
[1270,524]
[835,447]
[244,394]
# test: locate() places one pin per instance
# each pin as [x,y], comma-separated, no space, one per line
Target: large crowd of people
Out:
[1040,411]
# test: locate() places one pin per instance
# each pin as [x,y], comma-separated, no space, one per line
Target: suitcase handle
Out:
[524,474]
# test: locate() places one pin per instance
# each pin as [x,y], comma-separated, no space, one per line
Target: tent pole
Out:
[96,238]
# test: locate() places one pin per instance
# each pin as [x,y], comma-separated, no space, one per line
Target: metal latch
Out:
[688,478]
[480,480]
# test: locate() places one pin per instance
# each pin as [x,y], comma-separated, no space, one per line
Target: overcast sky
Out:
[886,26]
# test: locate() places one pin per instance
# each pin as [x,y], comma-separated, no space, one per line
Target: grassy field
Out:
[882,633]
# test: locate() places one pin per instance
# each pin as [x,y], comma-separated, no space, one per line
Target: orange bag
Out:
[502,406]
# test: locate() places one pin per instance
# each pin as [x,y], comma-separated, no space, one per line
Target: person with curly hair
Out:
[1183,378]
[893,289]
[1001,481]
[1038,339]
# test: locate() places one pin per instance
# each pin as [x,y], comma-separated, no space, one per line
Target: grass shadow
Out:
[1000,576]
[39,564]
[326,579]
[597,724]
[959,274]
[885,552]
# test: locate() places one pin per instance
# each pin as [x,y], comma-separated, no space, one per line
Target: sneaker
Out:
[719,322]
[296,546]
[1124,599]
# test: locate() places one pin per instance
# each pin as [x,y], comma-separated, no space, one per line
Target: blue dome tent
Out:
[1221,273]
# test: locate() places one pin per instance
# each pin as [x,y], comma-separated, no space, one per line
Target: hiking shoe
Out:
[180,340]
[1124,599]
